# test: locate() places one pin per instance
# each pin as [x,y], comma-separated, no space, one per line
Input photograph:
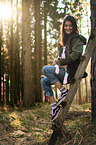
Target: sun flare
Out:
[5,11]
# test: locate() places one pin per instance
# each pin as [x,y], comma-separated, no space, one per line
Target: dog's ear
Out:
[59,46]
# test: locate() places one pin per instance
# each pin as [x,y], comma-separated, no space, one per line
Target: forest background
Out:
[30,31]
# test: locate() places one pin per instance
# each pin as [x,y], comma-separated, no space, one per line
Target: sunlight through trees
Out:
[43,28]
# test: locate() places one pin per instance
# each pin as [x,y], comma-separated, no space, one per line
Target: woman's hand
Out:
[59,46]
[55,61]
[64,66]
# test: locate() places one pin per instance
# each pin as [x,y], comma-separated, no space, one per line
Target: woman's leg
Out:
[49,72]
[58,85]
[46,84]
[48,90]
[57,80]
[51,78]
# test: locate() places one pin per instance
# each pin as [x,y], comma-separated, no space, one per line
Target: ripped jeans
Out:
[50,78]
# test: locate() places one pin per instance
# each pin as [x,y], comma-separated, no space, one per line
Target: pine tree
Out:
[93,63]
[28,92]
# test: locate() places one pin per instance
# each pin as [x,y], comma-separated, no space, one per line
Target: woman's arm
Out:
[76,52]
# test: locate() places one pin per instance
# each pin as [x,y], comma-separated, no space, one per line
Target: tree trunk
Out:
[93,64]
[17,63]
[38,51]
[0,58]
[86,90]
[45,34]
[28,95]
[12,61]
[80,96]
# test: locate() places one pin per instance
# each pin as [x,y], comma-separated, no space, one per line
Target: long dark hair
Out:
[63,33]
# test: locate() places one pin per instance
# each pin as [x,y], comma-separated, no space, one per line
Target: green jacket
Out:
[73,53]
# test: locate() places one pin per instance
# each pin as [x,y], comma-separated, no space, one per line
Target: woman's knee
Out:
[45,81]
[42,81]
[45,69]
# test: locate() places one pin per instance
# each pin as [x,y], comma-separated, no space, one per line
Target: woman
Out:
[73,43]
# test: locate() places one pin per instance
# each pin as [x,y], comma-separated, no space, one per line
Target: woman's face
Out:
[68,27]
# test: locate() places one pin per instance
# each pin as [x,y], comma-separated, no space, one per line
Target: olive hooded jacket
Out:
[73,53]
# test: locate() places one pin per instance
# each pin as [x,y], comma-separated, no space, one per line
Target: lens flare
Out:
[5,11]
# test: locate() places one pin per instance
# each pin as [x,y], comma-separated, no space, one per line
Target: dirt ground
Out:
[32,126]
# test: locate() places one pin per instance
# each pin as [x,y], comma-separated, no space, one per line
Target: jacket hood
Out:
[76,35]
[83,39]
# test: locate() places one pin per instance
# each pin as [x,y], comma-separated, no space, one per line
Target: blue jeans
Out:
[50,78]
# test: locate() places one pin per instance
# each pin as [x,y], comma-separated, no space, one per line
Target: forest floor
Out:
[32,126]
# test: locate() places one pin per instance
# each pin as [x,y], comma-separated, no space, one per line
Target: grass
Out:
[32,126]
